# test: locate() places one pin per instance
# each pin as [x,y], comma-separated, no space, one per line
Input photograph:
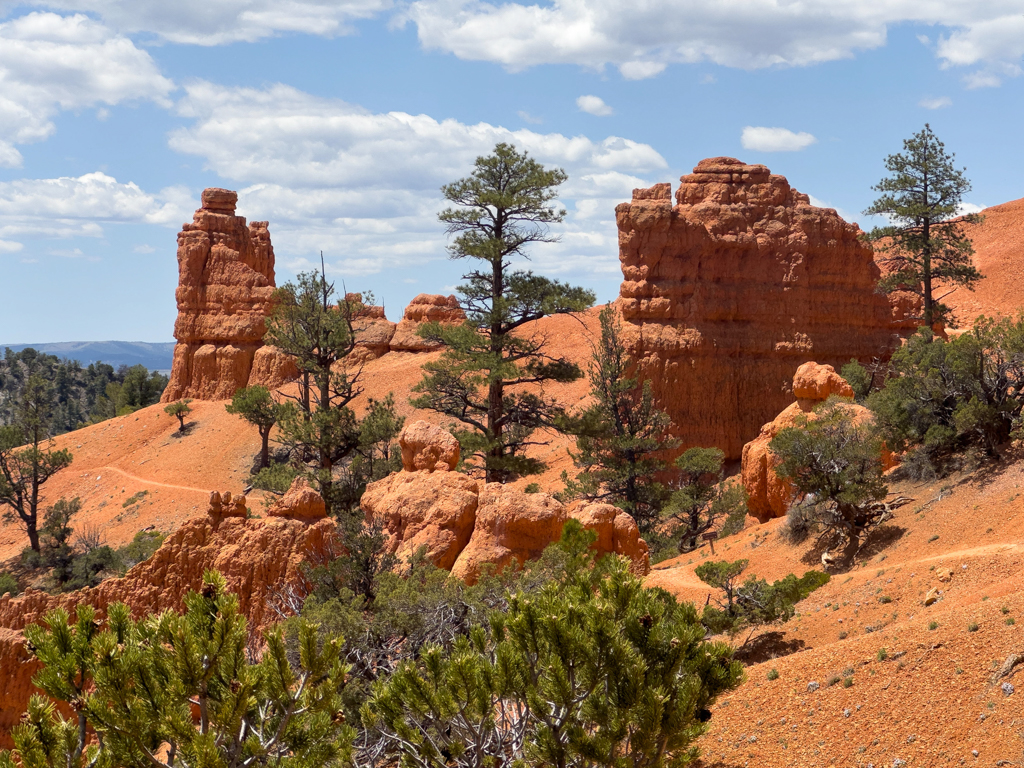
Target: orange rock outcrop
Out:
[425,308]
[225,283]
[728,290]
[258,557]
[465,524]
[770,495]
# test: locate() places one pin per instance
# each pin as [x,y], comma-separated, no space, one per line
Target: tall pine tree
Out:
[925,247]
[502,207]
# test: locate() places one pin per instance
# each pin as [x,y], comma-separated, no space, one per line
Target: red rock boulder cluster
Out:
[258,558]
[464,524]
[770,495]
[730,288]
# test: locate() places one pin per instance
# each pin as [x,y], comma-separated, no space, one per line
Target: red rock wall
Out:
[729,290]
[225,281]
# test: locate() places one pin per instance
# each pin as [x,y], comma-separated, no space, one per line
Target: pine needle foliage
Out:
[178,691]
[925,247]
[592,671]
[505,205]
[621,437]
[702,501]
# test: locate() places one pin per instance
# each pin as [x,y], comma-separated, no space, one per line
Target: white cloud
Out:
[970,208]
[143,248]
[79,207]
[332,175]
[982,79]
[775,139]
[50,62]
[642,38]
[528,118]
[594,105]
[939,103]
[9,246]
[200,22]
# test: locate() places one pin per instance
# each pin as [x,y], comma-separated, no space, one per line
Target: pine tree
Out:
[178,691]
[594,671]
[502,207]
[25,465]
[925,245]
[256,406]
[621,437]
[180,410]
[702,500]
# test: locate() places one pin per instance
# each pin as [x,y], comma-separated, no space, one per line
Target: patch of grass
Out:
[882,654]
[884,599]
[1010,621]
[134,499]
[933,625]
[848,682]
[773,674]
[1004,610]
[972,627]
[833,680]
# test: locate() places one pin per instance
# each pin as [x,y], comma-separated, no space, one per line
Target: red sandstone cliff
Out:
[729,290]
[225,282]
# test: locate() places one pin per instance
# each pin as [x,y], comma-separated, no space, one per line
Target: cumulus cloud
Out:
[80,206]
[332,175]
[594,105]
[939,103]
[982,79]
[641,39]
[50,62]
[198,22]
[762,139]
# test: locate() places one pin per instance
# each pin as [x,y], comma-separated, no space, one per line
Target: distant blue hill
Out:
[156,357]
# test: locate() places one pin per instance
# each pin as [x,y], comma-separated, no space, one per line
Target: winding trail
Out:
[138,479]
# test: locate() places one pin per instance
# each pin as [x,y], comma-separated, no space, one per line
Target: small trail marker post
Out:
[710,537]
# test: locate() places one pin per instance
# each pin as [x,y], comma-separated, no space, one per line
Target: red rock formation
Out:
[729,290]
[225,281]
[300,502]
[272,368]
[770,495]
[465,524]
[256,556]
[425,308]
[616,532]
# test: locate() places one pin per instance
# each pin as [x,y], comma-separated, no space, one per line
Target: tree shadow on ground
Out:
[877,539]
[770,645]
[190,427]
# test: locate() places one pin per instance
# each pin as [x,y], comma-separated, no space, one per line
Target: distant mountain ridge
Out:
[155,356]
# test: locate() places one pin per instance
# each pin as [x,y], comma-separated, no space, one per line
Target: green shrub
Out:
[885,599]
[882,654]
[773,674]
[858,377]
[847,682]
[972,627]
[933,625]
[277,478]
[134,499]
[8,584]
[532,488]
[1010,621]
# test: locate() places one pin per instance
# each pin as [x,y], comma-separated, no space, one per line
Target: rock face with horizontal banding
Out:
[225,283]
[731,287]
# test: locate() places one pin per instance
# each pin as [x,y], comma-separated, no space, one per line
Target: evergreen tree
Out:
[596,671]
[256,406]
[620,438]
[837,464]
[55,539]
[924,247]
[180,410]
[25,464]
[502,207]
[702,500]
[309,324]
[173,691]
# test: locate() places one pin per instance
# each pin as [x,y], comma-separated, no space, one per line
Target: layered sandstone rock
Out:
[463,524]
[727,291]
[225,282]
[258,558]
[425,308]
[300,502]
[373,330]
[770,495]
[272,368]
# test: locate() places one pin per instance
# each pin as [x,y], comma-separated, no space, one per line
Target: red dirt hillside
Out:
[999,255]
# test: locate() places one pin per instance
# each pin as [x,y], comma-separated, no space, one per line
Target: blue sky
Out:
[339,121]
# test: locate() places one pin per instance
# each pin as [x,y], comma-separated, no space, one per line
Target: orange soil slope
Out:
[117,459]
[930,702]
[999,255]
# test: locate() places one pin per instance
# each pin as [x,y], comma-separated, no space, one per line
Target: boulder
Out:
[435,510]
[768,494]
[225,284]
[300,502]
[429,448]
[729,290]
[617,532]
[510,525]
[423,309]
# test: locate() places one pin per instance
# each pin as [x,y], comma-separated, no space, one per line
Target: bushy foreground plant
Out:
[593,671]
[178,691]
